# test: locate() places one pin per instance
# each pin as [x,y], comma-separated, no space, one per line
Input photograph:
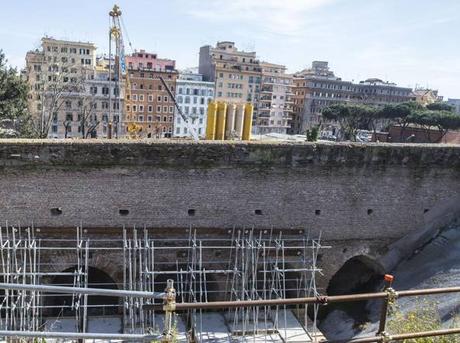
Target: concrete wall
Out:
[361,197]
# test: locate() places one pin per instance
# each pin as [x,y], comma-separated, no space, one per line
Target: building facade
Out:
[274,107]
[240,77]
[455,103]
[148,105]
[237,74]
[193,96]
[425,96]
[318,87]
[57,76]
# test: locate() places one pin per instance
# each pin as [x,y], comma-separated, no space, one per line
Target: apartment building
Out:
[425,96]
[192,95]
[317,87]
[240,77]
[56,75]
[275,103]
[237,74]
[147,102]
[455,103]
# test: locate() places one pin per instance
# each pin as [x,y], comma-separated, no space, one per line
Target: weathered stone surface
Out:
[360,196]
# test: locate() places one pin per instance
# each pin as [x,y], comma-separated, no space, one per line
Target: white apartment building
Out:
[192,95]
[455,103]
[274,108]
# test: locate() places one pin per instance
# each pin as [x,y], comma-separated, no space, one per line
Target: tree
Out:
[439,106]
[313,134]
[87,117]
[400,114]
[440,119]
[351,118]
[61,82]
[13,100]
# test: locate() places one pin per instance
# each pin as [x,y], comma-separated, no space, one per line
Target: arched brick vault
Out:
[109,262]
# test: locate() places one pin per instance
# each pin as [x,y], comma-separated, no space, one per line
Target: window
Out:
[69,117]
[177,130]
[164,118]
[105,90]
[180,90]
[159,109]
[159,98]
[134,108]
[134,97]
[150,99]
[165,109]
[141,97]
[141,118]
[141,108]
[150,108]
[150,118]
[165,99]
[171,109]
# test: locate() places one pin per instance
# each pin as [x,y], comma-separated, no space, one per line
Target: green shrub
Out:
[424,317]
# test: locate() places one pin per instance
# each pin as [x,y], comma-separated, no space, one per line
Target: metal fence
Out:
[169,306]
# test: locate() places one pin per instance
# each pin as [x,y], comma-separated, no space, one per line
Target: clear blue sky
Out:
[411,42]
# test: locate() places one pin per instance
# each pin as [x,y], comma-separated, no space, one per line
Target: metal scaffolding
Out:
[249,265]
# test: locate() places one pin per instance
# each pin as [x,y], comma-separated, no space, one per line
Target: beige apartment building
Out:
[69,96]
[237,74]
[239,77]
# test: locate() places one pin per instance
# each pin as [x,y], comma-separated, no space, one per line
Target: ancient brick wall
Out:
[351,193]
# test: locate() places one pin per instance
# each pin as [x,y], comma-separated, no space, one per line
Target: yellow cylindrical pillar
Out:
[247,127]
[230,121]
[239,121]
[221,118]
[211,121]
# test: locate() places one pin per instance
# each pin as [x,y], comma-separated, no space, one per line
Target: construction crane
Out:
[117,65]
[185,118]
[120,74]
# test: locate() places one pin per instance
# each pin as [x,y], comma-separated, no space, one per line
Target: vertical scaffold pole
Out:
[169,306]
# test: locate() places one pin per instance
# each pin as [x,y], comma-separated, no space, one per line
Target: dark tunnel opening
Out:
[63,304]
[360,274]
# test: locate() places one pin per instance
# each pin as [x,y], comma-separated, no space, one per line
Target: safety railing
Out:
[169,306]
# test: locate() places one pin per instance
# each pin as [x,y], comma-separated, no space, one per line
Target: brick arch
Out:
[109,262]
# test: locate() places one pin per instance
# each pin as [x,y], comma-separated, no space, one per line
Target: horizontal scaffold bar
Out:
[82,290]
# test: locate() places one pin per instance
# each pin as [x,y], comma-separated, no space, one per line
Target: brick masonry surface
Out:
[367,195]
